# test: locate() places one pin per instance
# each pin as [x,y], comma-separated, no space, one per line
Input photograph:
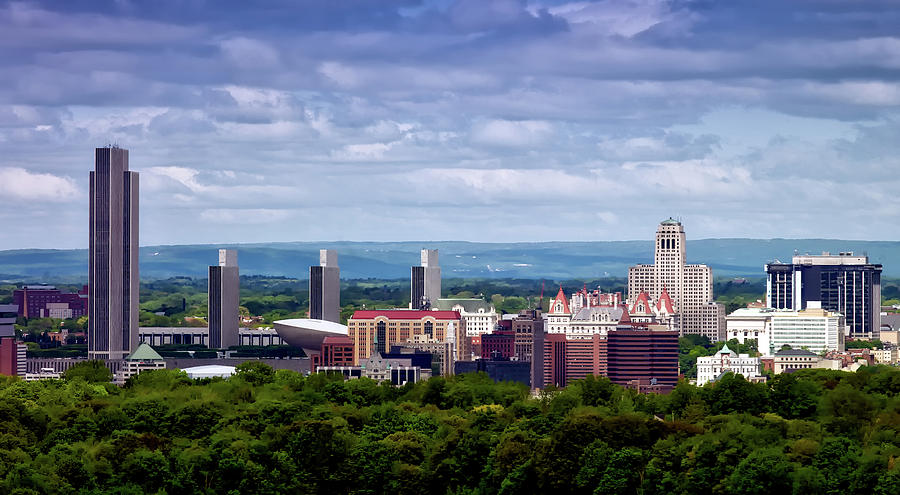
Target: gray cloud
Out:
[404,119]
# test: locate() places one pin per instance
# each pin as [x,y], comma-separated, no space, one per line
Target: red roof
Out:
[626,318]
[560,296]
[404,314]
[641,298]
[337,339]
[665,301]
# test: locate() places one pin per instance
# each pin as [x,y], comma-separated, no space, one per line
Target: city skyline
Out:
[418,120]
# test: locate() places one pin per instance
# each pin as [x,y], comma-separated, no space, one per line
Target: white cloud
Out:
[517,134]
[21,184]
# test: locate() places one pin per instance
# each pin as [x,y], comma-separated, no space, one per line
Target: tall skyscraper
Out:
[844,283]
[690,287]
[425,282]
[113,279]
[325,288]
[224,301]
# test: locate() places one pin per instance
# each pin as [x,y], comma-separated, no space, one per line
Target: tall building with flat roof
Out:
[113,278]
[325,288]
[425,281]
[224,301]
[690,287]
[845,283]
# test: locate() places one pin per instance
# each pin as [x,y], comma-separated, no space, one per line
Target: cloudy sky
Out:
[483,120]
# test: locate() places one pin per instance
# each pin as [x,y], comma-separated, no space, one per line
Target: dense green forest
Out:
[815,431]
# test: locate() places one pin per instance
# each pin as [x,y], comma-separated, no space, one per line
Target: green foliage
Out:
[266,431]
[93,371]
[864,344]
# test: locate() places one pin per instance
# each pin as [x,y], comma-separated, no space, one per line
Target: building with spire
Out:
[689,287]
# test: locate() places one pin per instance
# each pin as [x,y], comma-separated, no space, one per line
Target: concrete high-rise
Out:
[113,278]
[845,283]
[224,301]
[690,287]
[325,288]
[425,281]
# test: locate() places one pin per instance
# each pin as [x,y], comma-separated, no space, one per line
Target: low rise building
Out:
[790,360]
[479,316]
[144,358]
[46,301]
[888,355]
[710,368]
[156,336]
[376,367]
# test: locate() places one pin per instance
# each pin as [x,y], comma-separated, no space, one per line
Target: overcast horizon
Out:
[468,120]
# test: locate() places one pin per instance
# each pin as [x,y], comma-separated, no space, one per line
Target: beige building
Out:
[690,287]
[378,330]
[886,356]
[794,359]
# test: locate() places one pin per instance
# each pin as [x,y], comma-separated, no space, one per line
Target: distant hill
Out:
[557,260]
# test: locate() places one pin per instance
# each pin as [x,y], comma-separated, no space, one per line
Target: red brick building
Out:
[46,301]
[636,354]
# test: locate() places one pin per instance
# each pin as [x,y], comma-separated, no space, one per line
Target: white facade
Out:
[479,317]
[710,367]
[813,329]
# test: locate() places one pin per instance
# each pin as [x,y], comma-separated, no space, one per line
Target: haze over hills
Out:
[553,260]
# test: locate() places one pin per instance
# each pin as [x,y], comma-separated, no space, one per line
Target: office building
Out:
[378,330]
[813,328]
[479,316]
[325,288]
[224,301]
[844,283]
[528,330]
[710,368]
[12,352]
[46,301]
[642,358]
[113,279]
[336,351]
[689,287]
[425,282]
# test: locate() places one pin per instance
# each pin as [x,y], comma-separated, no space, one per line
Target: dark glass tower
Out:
[843,282]
[113,250]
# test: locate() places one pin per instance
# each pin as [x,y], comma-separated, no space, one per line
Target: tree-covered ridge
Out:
[815,431]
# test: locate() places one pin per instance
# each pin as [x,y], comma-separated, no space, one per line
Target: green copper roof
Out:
[726,350]
[469,305]
[144,353]
[670,221]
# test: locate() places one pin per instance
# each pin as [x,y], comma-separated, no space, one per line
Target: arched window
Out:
[429,329]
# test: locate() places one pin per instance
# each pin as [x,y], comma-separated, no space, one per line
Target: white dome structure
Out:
[209,371]
[307,333]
